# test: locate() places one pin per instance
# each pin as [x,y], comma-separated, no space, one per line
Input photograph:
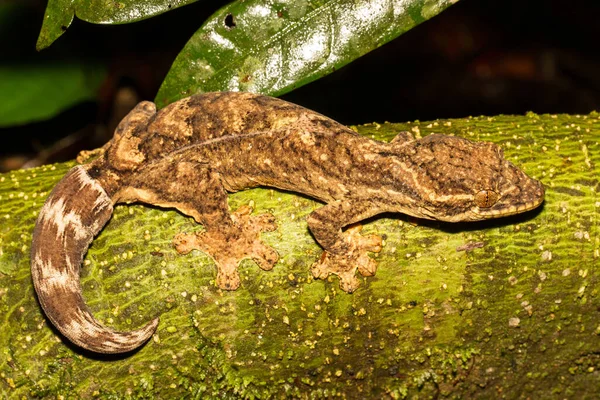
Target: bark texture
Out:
[499,309]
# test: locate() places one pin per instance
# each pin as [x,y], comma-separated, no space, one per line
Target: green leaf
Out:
[31,92]
[58,17]
[274,47]
[59,14]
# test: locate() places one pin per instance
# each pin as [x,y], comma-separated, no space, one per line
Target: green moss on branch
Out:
[517,317]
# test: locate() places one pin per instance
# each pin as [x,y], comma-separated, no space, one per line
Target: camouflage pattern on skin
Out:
[190,154]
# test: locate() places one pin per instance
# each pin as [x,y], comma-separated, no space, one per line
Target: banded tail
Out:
[73,214]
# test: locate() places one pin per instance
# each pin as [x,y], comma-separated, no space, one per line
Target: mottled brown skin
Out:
[192,153]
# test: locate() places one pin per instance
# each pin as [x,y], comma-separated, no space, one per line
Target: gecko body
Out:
[190,154]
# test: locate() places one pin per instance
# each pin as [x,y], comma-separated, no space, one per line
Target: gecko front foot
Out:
[228,247]
[356,258]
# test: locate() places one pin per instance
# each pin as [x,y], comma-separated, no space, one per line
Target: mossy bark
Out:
[516,318]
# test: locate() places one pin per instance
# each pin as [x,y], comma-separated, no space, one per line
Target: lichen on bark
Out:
[517,317]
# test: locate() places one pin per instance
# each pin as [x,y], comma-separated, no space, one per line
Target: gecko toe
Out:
[228,281]
[319,270]
[265,222]
[183,243]
[242,214]
[349,283]
[371,243]
[367,266]
[266,258]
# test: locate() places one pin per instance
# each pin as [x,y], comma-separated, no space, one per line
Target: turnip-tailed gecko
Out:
[190,154]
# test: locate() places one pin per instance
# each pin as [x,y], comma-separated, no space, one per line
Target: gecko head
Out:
[455,179]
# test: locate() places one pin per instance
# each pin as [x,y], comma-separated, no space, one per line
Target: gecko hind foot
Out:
[356,258]
[228,247]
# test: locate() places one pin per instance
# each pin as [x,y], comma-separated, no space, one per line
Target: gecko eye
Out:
[486,198]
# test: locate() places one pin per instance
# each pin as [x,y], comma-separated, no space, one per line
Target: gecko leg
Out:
[345,252]
[228,237]
[126,136]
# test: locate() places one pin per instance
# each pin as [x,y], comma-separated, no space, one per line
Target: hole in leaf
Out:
[229,22]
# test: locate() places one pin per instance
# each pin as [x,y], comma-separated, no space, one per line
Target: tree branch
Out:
[499,308]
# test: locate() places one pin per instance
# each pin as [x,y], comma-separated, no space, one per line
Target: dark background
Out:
[477,57]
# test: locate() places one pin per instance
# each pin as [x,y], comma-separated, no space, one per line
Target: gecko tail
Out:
[76,210]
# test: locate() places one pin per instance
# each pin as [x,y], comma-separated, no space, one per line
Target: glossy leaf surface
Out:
[60,13]
[274,47]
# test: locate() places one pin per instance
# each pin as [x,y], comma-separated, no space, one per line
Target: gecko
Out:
[190,154]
